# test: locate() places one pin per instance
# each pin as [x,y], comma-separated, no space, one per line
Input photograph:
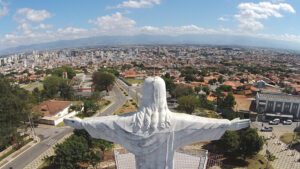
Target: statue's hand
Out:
[237,124]
[74,122]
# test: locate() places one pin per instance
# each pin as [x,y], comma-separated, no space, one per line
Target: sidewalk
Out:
[19,152]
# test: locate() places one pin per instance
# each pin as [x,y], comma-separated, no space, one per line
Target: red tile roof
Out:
[52,107]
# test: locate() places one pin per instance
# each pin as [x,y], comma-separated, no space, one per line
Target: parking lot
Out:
[277,129]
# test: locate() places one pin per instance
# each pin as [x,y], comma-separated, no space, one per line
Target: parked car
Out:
[274,122]
[266,129]
[287,122]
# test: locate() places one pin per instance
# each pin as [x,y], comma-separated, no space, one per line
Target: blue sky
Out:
[24,22]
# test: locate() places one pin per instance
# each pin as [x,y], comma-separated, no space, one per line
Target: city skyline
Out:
[32,22]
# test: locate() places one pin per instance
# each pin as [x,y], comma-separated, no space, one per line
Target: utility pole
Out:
[32,128]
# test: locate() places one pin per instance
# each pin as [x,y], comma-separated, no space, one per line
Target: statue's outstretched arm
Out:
[192,129]
[97,127]
[237,124]
[74,122]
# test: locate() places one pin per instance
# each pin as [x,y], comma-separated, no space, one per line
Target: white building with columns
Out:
[278,105]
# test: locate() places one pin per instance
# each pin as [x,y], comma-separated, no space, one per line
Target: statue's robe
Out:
[156,149]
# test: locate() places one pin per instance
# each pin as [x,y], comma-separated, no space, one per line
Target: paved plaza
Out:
[286,158]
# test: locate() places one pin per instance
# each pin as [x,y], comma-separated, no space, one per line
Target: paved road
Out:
[118,100]
[134,91]
[50,135]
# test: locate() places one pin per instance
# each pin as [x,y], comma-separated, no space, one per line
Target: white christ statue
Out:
[153,133]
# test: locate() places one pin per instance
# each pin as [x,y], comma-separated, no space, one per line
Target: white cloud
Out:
[27,14]
[137,4]
[71,30]
[28,28]
[250,14]
[16,39]
[276,1]
[3,9]
[115,23]
[223,19]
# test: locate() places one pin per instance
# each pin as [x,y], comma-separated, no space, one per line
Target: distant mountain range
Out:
[156,40]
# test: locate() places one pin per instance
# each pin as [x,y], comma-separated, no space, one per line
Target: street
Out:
[49,136]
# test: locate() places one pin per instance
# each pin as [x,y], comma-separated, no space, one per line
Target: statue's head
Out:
[153,112]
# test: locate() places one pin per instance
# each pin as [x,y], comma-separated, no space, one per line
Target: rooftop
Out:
[52,107]
[278,96]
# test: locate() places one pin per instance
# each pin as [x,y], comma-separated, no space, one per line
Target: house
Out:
[131,74]
[234,84]
[54,111]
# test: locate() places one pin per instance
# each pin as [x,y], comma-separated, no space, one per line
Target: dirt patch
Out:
[242,102]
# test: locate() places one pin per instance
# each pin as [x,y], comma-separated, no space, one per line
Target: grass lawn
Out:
[128,107]
[135,81]
[287,138]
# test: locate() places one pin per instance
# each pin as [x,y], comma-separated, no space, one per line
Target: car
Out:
[266,129]
[274,122]
[287,122]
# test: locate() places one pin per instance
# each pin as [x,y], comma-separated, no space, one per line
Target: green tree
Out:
[221,79]
[37,95]
[51,86]
[197,89]
[229,144]
[226,103]
[169,83]
[206,89]
[203,102]
[182,90]
[59,71]
[189,78]
[96,96]
[224,88]
[14,111]
[89,108]
[94,143]
[72,151]
[250,142]
[66,90]
[103,80]
[188,103]
[167,75]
